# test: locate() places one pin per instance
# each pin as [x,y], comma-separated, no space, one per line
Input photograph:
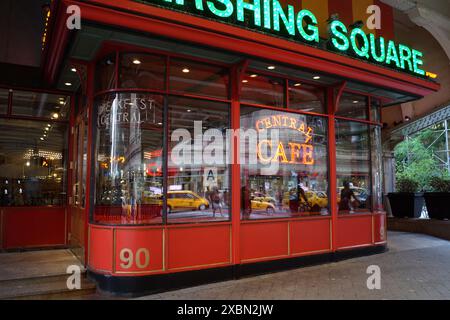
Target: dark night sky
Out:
[21,27]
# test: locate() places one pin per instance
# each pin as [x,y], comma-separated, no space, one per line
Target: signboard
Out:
[292,152]
[270,16]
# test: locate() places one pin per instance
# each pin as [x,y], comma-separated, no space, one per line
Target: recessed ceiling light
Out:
[62,102]
[298,84]
[244,81]
[355,101]
[188,110]
[55,115]
[73,69]
[271,67]
[68,84]
[316,77]
[160,123]
[46,129]
[136,61]
[49,125]
[28,163]
[253,76]
[186,70]
[42,139]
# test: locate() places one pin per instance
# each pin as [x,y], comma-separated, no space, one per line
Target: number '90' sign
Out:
[141,259]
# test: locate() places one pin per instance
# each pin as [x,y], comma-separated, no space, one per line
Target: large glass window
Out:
[353,106]
[129,142]
[41,105]
[306,98]
[198,174]
[263,90]
[32,163]
[144,71]
[284,164]
[353,167]
[4,96]
[106,73]
[197,78]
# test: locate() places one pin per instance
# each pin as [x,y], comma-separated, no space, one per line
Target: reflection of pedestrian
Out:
[215,201]
[346,198]
[246,203]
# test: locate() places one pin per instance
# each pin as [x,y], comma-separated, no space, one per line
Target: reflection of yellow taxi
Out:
[263,206]
[258,196]
[185,199]
[315,198]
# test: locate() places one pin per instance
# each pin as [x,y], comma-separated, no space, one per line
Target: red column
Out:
[332,169]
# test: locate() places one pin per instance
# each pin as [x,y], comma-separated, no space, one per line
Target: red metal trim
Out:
[332,193]
[59,37]
[237,73]
[220,35]
[89,171]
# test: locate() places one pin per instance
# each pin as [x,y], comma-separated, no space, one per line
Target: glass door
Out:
[79,174]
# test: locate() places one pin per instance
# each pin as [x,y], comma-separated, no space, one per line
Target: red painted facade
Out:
[131,251]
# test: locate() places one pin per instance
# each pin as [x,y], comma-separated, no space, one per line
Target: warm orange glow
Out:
[300,153]
[284,122]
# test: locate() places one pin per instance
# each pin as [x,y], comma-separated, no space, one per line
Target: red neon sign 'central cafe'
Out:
[137,71]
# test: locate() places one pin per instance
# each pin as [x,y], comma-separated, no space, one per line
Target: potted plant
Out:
[407,201]
[438,200]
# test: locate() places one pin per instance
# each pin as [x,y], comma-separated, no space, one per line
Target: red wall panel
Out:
[264,240]
[145,246]
[33,227]
[100,249]
[198,246]
[354,231]
[310,236]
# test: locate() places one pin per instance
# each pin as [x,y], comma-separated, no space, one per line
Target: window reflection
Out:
[129,184]
[306,98]
[4,96]
[353,167]
[106,73]
[32,163]
[285,169]
[353,106]
[198,186]
[199,78]
[375,110]
[263,90]
[145,71]
[41,105]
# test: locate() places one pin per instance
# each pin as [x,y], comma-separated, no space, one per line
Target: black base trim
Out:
[144,285]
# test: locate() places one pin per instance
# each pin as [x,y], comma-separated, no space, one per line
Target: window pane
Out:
[263,90]
[41,105]
[377,169]
[376,110]
[199,79]
[353,166]
[4,94]
[106,73]
[306,98]
[353,106]
[32,166]
[129,161]
[144,71]
[198,177]
[284,164]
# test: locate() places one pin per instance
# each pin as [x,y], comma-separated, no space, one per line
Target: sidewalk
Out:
[415,267]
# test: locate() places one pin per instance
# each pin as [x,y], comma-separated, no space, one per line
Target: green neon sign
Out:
[270,16]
